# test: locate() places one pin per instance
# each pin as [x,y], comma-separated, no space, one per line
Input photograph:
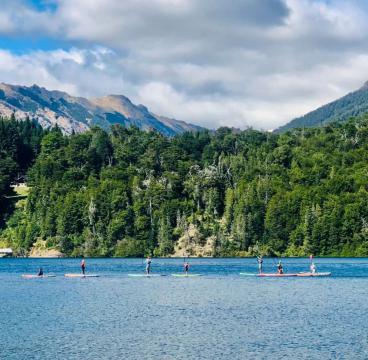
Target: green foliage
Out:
[19,145]
[131,193]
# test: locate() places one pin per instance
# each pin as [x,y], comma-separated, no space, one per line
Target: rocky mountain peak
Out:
[77,114]
[365,86]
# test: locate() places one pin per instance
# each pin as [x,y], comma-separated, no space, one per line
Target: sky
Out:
[240,63]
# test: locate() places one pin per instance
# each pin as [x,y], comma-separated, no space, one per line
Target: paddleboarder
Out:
[148,265]
[280,269]
[260,264]
[312,266]
[83,266]
[40,272]
[186,268]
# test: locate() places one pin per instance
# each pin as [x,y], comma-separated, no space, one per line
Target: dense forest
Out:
[223,193]
[20,142]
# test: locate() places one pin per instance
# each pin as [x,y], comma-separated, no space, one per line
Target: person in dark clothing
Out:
[148,265]
[186,267]
[280,269]
[260,264]
[83,266]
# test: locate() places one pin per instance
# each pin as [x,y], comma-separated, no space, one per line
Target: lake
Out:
[219,315]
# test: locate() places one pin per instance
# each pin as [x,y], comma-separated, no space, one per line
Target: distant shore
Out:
[183,257]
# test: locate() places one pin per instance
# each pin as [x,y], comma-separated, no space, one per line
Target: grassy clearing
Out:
[22,192]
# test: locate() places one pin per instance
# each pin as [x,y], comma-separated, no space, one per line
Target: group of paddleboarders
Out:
[148,267]
[280,269]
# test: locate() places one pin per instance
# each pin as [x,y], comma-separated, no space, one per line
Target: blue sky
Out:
[212,62]
[43,4]
[26,44]
[22,42]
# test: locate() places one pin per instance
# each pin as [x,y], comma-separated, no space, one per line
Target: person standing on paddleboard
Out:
[186,268]
[83,266]
[40,272]
[312,265]
[260,264]
[280,269]
[148,265]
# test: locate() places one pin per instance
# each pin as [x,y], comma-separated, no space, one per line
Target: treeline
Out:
[19,145]
[133,193]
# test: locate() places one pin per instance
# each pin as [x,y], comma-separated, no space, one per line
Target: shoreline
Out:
[183,257]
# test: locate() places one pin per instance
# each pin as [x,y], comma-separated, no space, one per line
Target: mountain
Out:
[77,114]
[352,104]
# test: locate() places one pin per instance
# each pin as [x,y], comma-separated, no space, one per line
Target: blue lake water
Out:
[219,315]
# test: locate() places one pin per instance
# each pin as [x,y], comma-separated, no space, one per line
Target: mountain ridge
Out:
[78,114]
[354,103]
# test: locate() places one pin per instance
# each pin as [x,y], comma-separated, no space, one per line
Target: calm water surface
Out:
[219,315]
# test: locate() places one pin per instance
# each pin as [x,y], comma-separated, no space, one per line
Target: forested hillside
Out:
[19,146]
[131,193]
[352,104]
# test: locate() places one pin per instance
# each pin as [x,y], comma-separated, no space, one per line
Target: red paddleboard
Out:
[276,275]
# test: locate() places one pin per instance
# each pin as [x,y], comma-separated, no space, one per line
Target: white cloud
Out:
[239,63]
[18,18]
[78,72]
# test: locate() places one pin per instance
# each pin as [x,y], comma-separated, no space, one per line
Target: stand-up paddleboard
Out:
[186,275]
[81,275]
[268,274]
[276,275]
[30,276]
[145,275]
[248,274]
[309,274]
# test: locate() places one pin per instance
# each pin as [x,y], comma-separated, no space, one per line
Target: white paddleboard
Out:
[81,275]
[184,275]
[31,276]
[248,274]
[145,275]
[309,274]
